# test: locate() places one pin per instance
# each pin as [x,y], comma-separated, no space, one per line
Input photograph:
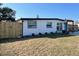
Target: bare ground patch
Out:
[41,46]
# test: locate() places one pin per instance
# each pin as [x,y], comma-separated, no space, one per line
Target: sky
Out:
[45,10]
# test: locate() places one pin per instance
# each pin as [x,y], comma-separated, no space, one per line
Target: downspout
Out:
[66,29]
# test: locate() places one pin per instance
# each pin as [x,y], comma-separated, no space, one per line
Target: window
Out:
[49,25]
[32,24]
[59,26]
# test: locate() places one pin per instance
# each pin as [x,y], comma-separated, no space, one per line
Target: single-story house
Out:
[70,25]
[35,26]
[76,26]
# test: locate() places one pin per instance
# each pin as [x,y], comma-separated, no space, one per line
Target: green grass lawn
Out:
[48,45]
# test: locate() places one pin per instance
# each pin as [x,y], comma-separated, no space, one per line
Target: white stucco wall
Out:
[41,27]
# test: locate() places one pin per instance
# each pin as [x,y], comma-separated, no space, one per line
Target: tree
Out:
[7,13]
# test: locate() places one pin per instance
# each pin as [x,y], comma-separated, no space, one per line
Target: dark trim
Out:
[42,19]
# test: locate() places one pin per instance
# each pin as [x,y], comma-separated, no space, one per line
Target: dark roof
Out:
[70,20]
[41,19]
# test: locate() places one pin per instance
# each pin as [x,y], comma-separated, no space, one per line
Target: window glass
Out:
[49,25]
[32,24]
[59,26]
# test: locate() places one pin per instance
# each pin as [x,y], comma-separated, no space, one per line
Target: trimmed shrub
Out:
[46,33]
[33,34]
[40,33]
[51,32]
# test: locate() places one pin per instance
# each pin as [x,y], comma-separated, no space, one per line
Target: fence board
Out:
[9,29]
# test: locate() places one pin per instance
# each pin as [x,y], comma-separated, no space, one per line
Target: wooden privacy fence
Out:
[9,29]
